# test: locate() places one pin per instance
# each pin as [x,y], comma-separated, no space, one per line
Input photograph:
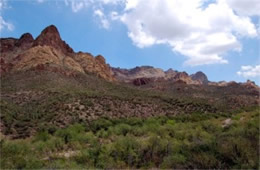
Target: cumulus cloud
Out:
[202,34]
[3,23]
[103,19]
[201,30]
[77,5]
[249,71]
[3,4]
[114,2]
[245,7]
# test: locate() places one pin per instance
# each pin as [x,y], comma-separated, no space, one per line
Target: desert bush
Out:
[125,149]
[42,136]
[101,123]
[174,160]
[122,129]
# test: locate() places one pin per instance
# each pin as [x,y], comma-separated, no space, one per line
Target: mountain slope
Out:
[44,83]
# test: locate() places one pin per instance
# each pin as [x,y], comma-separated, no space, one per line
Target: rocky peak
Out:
[101,59]
[183,77]
[200,76]
[25,40]
[250,84]
[146,71]
[170,73]
[50,31]
[50,36]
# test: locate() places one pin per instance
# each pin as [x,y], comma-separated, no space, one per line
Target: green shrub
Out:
[122,129]
[42,136]
[71,133]
[103,133]
[125,149]
[174,160]
[101,123]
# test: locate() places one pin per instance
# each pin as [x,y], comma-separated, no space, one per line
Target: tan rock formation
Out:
[48,49]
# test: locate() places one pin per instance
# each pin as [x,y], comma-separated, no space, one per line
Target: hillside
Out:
[62,102]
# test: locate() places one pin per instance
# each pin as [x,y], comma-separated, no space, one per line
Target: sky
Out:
[218,37]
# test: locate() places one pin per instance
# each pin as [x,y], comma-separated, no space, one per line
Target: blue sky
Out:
[220,38]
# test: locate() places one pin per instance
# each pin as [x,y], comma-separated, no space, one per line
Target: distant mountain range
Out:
[49,52]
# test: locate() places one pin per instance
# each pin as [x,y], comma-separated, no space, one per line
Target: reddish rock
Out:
[141,81]
[50,36]
[201,77]
[250,85]
[25,41]
[183,77]
[50,53]
[101,59]
[7,44]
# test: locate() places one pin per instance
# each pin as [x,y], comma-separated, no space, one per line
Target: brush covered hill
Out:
[51,95]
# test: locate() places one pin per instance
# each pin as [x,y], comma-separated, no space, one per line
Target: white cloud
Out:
[103,19]
[77,5]
[114,2]
[201,30]
[3,4]
[245,7]
[5,25]
[249,71]
[130,4]
[204,35]
[114,15]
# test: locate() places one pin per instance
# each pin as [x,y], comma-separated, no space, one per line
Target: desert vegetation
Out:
[185,141]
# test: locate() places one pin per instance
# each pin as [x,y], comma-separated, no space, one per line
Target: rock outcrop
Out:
[200,77]
[141,81]
[128,75]
[139,75]
[25,41]
[50,36]
[47,51]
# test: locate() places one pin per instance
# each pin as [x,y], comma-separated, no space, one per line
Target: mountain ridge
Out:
[45,83]
[48,50]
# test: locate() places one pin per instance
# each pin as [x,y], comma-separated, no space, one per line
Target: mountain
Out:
[44,83]
[49,52]
[200,77]
[154,74]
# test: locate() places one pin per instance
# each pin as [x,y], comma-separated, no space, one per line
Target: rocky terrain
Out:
[45,83]
[156,74]
[49,52]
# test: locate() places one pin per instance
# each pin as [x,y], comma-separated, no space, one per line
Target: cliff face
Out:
[49,52]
